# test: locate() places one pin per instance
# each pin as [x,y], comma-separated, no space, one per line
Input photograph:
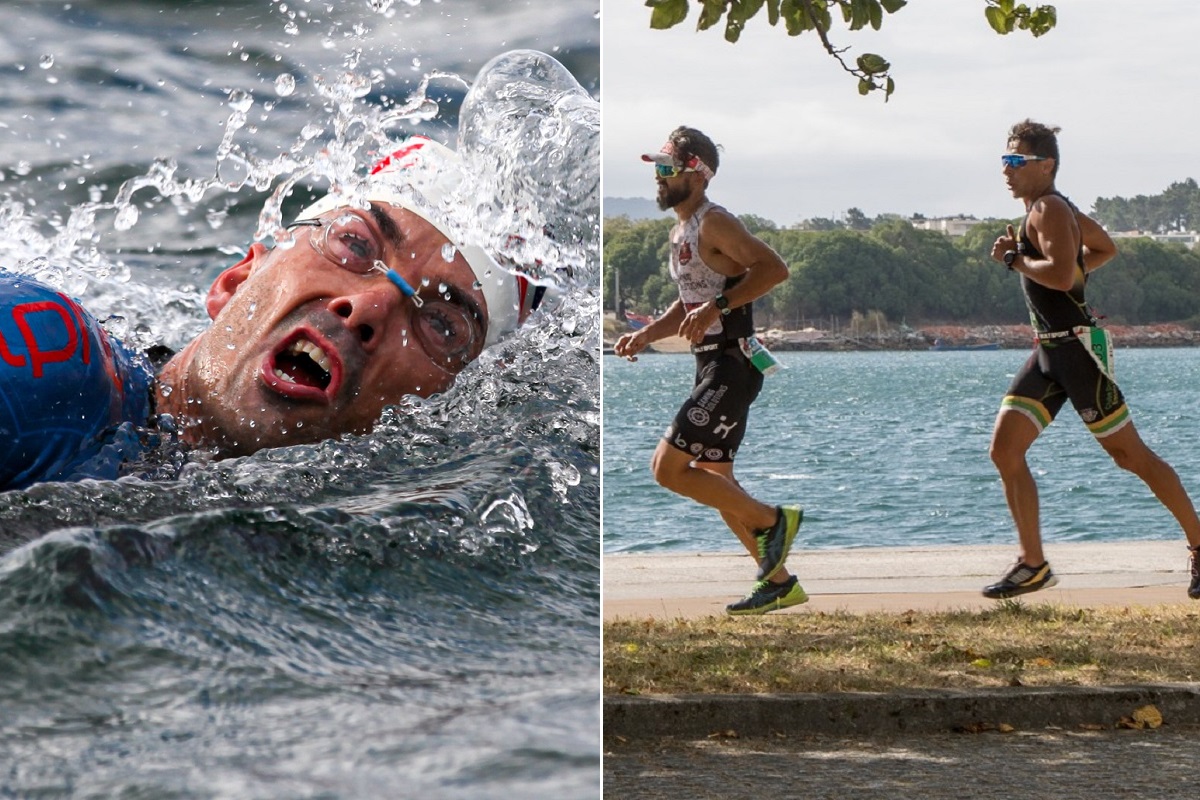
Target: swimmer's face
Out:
[302,349]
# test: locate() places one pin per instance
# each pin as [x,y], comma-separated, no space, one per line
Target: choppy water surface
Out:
[409,613]
[891,449]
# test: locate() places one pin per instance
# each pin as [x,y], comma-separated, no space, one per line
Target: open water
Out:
[413,613]
[890,449]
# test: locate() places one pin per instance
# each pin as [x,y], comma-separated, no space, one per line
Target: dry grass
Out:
[1011,644]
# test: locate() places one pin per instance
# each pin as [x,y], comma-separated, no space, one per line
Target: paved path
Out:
[888,578]
[1059,764]
[1064,761]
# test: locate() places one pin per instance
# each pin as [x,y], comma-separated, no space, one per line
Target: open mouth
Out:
[302,368]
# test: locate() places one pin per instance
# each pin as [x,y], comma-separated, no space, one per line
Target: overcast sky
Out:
[1121,79]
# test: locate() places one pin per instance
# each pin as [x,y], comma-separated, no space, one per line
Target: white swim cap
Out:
[423,168]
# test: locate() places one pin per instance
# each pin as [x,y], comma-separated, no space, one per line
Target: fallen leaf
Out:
[1004,727]
[1148,716]
[981,663]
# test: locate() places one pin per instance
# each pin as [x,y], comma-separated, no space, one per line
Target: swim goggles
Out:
[447,324]
[1018,160]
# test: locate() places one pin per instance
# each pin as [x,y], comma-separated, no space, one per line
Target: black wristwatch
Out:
[1011,255]
[722,304]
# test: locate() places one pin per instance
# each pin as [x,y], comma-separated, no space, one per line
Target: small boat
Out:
[637,321]
[941,344]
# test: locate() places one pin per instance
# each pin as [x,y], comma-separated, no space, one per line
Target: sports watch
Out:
[722,304]
[1011,255]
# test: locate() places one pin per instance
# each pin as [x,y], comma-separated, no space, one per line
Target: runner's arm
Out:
[1098,246]
[731,250]
[630,344]
[1054,231]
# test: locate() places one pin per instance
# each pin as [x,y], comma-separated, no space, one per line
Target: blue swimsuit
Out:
[71,396]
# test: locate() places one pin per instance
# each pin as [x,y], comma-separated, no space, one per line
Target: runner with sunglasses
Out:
[367,298]
[1054,249]
[720,268]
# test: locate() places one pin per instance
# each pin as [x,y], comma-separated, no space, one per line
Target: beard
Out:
[668,199]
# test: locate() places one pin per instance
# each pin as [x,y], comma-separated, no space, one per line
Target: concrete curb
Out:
[926,711]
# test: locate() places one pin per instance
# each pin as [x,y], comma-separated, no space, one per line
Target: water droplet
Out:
[285,84]
[448,252]
[241,100]
[291,28]
[46,61]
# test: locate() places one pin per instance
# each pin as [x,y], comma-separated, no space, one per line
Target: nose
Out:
[370,312]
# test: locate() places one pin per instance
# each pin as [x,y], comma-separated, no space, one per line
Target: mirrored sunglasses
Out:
[1018,160]
[670,170]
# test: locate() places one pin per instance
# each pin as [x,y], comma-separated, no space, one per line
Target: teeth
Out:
[312,351]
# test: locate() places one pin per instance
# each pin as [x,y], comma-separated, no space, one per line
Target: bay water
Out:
[890,449]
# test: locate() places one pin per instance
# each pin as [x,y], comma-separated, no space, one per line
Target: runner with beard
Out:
[720,269]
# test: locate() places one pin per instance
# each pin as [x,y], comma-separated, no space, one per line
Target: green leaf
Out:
[891,87]
[864,86]
[851,11]
[1043,20]
[667,13]
[997,19]
[711,12]
[824,20]
[794,17]
[892,6]
[773,12]
[873,64]
[876,15]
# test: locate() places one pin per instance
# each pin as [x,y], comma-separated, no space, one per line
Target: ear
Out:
[229,281]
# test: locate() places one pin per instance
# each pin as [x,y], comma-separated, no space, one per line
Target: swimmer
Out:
[370,301]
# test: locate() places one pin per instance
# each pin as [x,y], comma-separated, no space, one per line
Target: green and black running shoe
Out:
[767,596]
[775,542]
[1021,579]
[1194,586]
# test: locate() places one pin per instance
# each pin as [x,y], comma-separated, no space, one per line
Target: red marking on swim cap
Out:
[38,357]
[397,156]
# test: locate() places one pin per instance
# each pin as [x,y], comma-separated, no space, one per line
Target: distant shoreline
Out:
[951,337]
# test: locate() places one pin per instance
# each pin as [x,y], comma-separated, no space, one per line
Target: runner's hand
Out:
[1004,244]
[629,345]
[697,321]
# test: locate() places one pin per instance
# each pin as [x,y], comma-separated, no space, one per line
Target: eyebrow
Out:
[391,231]
[387,226]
